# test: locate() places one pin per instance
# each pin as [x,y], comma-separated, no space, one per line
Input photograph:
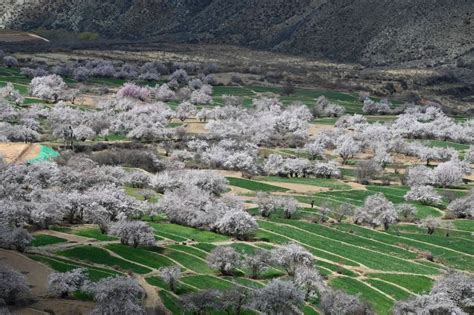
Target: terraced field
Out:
[380,266]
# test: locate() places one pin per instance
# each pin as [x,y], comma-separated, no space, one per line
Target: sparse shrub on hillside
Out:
[288,88]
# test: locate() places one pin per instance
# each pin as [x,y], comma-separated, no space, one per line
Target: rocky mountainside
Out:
[367,31]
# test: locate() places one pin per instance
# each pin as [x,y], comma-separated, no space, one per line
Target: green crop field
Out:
[43,240]
[380,266]
[326,183]
[253,185]
[102,257]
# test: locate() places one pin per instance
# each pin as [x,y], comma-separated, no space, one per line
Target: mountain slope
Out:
[371,31]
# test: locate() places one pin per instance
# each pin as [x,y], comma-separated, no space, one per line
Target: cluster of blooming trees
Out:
[446,174]
[268,204]
[113,295]
[84,70]
[170,91]
[463,207]
[16,124]
[432,123]
[376,211]
[9,93]
[268,122]
[297,167]
[193,198]
[14,288]
[278,296]
[80,191]
[324,108]
[383,107]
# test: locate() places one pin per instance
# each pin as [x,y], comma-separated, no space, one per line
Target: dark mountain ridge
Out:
[375,32]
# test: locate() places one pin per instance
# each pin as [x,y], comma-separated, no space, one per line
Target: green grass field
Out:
[43,240]
[320,182]
[381,267]
[94,233]
[253,185]
[61,265]
[100,256]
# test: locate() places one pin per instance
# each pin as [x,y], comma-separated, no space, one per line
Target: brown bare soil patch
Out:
[86,100]
[195,127]
[18,152]
[315,129]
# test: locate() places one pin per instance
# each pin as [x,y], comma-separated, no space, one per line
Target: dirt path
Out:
[152,300]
